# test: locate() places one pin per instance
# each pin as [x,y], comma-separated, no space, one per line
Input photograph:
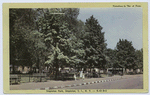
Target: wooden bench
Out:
[14,77]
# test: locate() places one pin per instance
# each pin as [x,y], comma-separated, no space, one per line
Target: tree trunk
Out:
[13,66]
[40,69]
[56,73]
[125,71]
[57,68]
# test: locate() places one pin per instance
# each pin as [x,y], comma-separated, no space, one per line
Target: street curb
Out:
[73,85]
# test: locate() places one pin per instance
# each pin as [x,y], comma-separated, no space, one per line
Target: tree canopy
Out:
[57,38]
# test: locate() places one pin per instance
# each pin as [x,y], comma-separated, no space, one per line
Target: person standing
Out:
[75,77]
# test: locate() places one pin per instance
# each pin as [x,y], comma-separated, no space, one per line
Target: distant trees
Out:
[127,56]
[56,37]
[139,59]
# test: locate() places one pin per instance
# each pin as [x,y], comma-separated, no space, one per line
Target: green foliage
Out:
[139,59]
[45,37]
[58,38]
[125,54]
[25,42]
[111,58]
[94,43]
[71,15]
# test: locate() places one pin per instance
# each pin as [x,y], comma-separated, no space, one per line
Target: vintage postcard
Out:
[75,47]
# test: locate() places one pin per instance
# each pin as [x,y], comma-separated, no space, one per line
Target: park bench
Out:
[14,78]
[39,75]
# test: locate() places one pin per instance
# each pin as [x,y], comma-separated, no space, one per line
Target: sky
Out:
[117,23]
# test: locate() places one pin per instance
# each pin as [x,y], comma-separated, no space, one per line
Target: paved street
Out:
[135,82]
[124,82]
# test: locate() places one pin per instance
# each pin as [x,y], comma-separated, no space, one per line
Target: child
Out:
[75,77]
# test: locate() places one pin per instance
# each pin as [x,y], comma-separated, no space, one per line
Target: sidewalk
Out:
[55,84]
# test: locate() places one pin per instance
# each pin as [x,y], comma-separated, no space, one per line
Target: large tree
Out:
[58,39]
[25,40]
[125,54]
[94,44]
[19,21]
